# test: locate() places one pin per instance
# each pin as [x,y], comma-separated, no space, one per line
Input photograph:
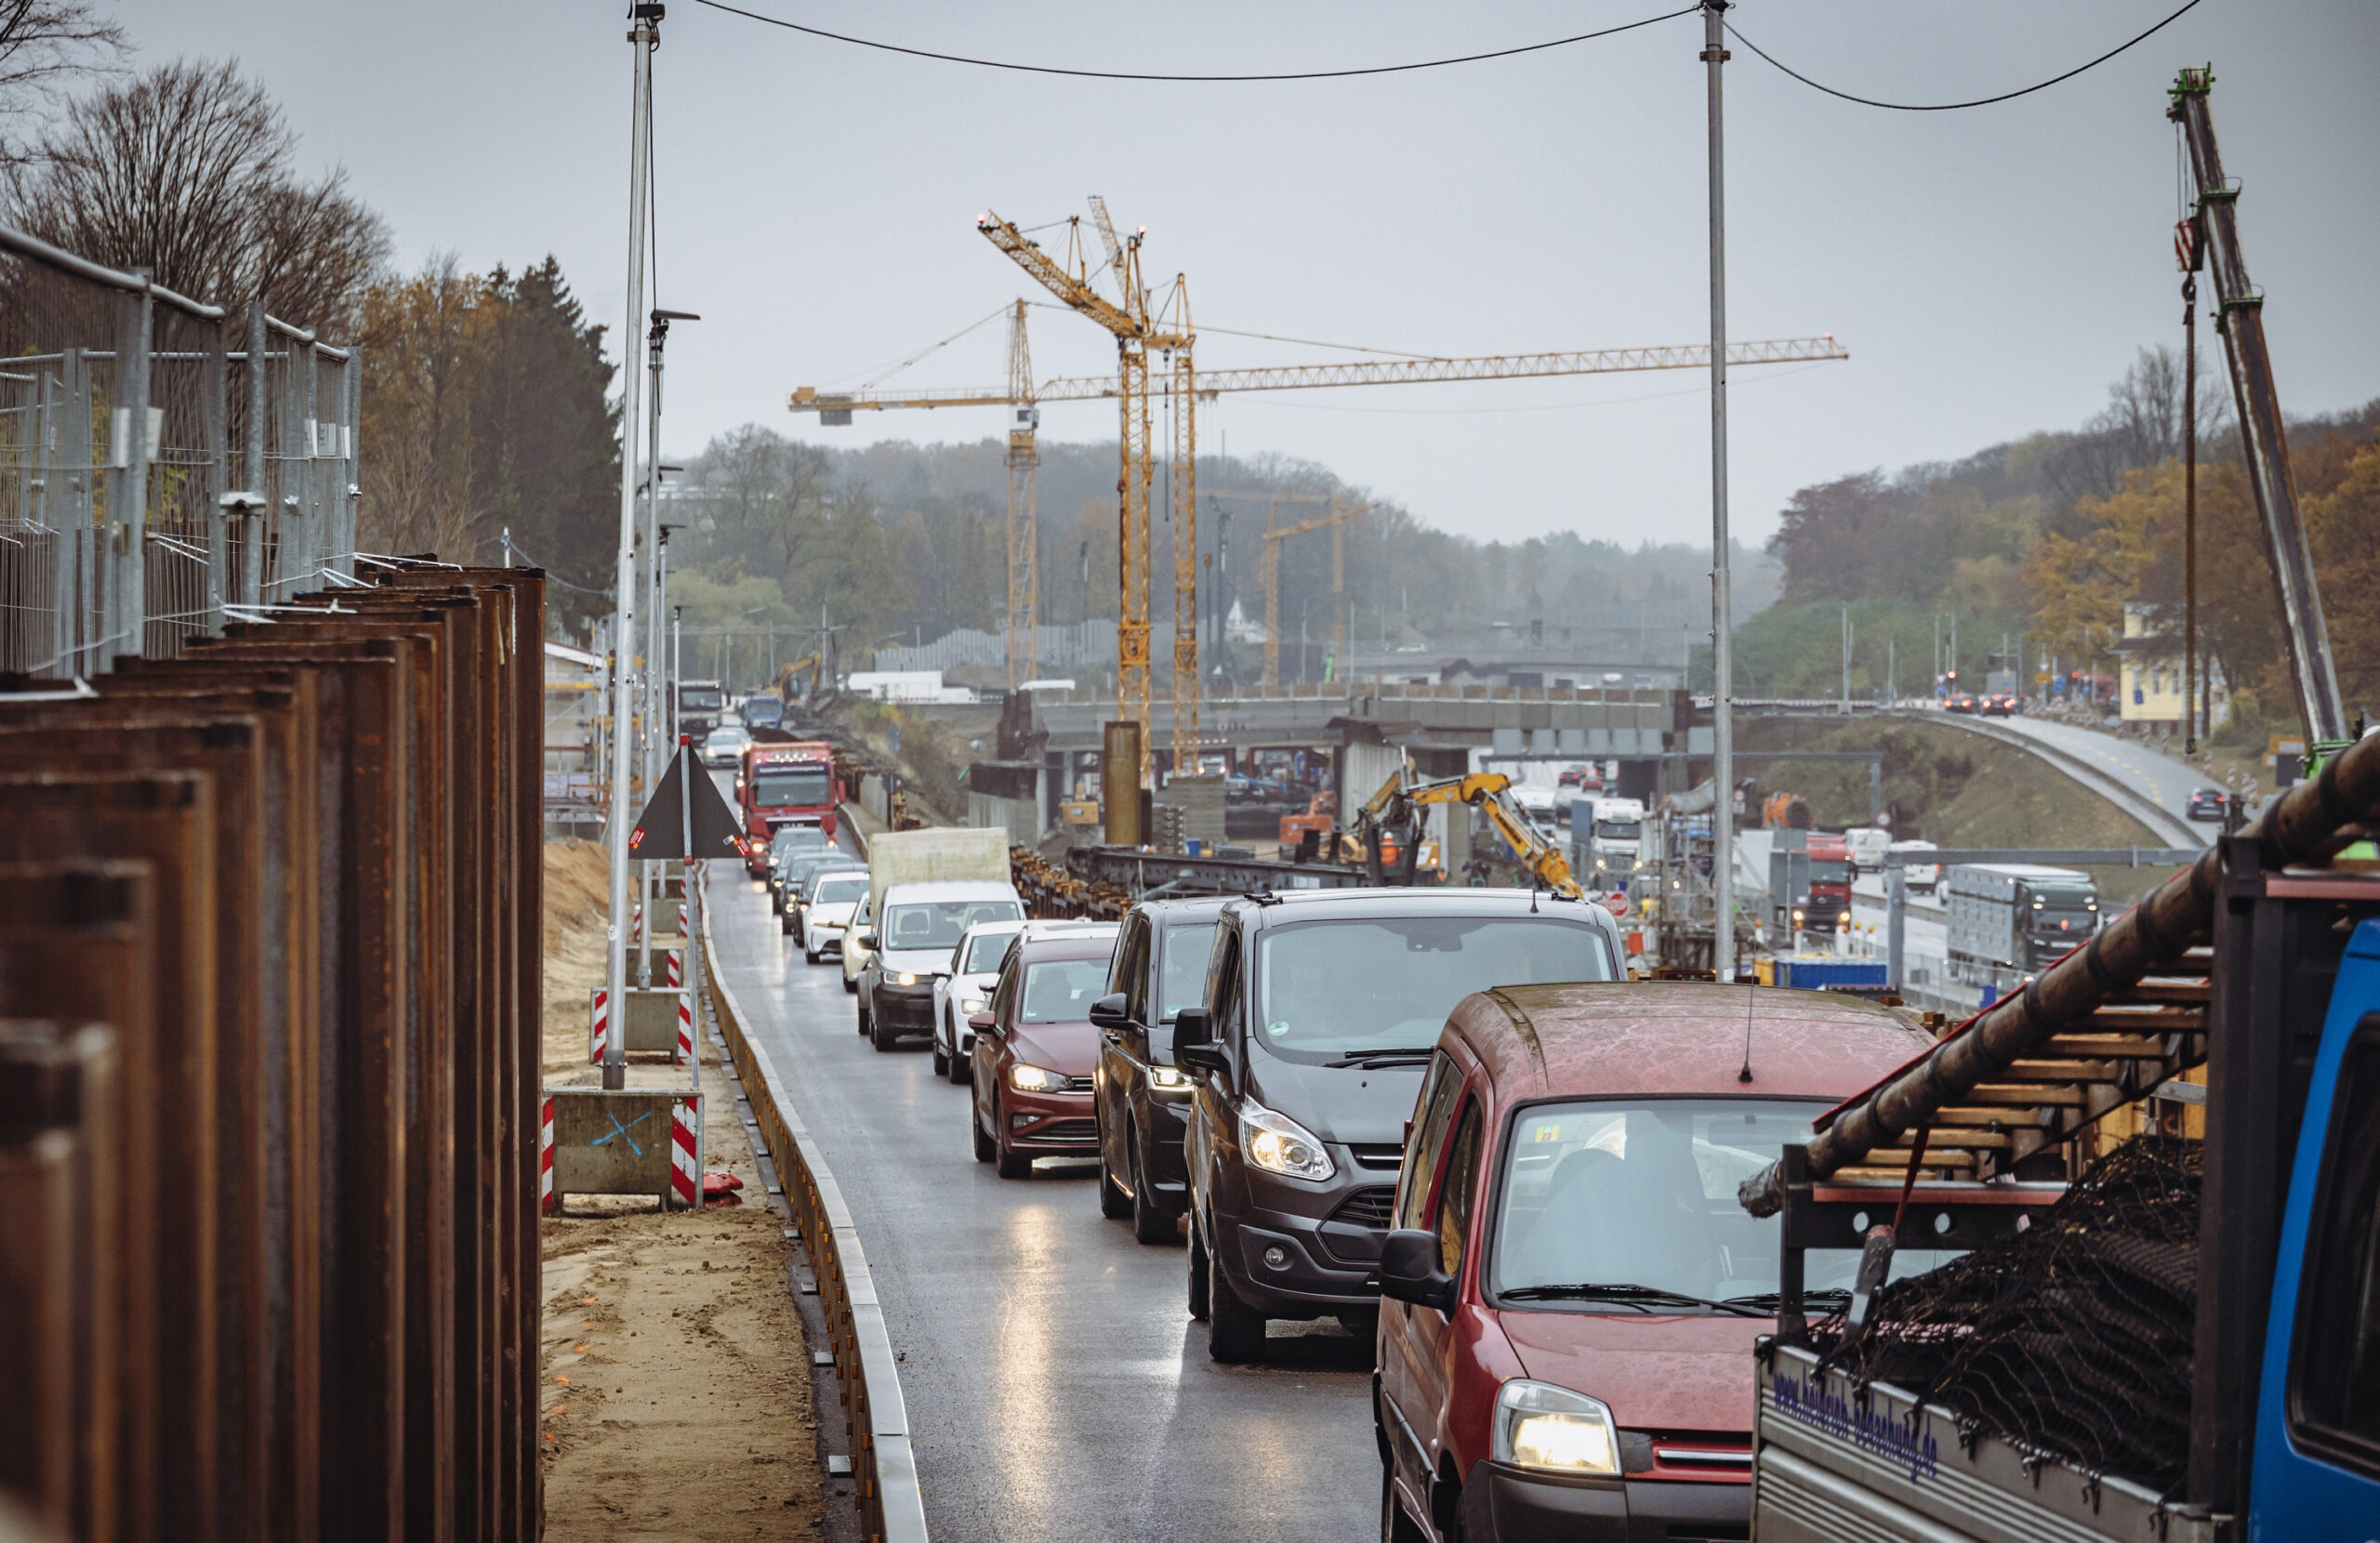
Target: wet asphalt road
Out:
[1057,1389]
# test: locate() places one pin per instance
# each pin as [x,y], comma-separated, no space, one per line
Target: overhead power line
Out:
[1132,75]
[1952,107]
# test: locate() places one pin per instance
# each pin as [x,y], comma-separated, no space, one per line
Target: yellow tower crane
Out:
[1169,332]
[1023,506]
[1137,333]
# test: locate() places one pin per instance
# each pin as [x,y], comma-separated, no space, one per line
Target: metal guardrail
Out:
[2161,821]
[891,1507]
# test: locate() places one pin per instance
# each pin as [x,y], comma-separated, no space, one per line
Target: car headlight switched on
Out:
[970,1005]
[1842,918]
[1035,1079]
[906,978]
[1279,1145]
[1553,1429]
[1169,1079]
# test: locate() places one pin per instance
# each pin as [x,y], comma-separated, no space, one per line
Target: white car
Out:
[855,954]
[826,911]
[1921,875]
[725,746]
[975,970]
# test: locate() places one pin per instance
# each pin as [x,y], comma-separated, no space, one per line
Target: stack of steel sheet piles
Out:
[269,1047]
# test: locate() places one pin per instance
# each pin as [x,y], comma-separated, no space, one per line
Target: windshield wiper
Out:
[1638,1296]
[1380,1058]
[1833,1298]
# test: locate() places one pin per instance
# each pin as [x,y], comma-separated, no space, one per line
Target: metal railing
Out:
[164,463]
[891,1507]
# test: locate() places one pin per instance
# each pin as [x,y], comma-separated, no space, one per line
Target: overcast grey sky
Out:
[1990,271]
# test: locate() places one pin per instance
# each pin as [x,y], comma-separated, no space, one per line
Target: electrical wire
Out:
[1952,107]
[1127,74]
[1313,343]
[935,348]
[1264,399]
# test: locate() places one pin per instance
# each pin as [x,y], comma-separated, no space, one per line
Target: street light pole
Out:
[1723,736]
[644,31]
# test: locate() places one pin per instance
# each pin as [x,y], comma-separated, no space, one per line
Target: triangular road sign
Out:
[661,830]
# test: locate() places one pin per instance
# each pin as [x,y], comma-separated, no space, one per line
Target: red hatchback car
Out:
[1035,1049]
[1573,1290]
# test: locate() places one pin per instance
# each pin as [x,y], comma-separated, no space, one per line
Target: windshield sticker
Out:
[1814,1404]
[1277,1027]
[1548,1131]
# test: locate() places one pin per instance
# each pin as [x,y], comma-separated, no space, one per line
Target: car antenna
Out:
[1532,891]
[1752,995]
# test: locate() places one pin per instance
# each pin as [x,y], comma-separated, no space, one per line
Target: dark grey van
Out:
[1320,1011]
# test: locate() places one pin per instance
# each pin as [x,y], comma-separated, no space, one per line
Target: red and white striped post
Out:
[685,1056]
[686,1154]
[601,1013]
[546,1202]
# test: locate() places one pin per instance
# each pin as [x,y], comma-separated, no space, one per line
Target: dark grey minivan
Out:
[1320,1011]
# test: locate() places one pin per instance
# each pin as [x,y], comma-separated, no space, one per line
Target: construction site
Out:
[1169,944]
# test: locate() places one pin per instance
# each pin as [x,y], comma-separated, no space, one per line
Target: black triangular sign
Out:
[661,830]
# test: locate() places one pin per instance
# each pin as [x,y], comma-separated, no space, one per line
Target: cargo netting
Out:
[2072,1340]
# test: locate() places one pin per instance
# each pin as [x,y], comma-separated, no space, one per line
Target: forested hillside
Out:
[905,539]
[2049,536]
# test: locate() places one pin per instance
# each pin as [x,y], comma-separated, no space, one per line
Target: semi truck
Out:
[1809,883]
[2183,1344]
[2013,917]
[780,784]
[702,707]
[1616,845]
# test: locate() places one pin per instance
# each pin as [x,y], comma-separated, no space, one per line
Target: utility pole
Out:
[1723,737]
[644,30]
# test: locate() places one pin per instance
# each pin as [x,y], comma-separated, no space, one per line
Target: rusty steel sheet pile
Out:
[270,975]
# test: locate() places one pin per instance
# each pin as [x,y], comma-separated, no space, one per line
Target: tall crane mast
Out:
[2240,317]
[1136,333]
[1024,506]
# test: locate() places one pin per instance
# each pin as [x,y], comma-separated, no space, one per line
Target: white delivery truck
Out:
[1618,843]
[926,888]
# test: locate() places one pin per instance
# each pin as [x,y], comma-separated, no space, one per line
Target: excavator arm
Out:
[1397,807]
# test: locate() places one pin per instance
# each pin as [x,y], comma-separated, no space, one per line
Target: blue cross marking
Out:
[622,1130]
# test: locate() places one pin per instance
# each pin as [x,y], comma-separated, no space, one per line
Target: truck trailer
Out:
[2013,917]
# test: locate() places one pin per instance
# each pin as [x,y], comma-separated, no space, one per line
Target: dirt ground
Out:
[677,1398]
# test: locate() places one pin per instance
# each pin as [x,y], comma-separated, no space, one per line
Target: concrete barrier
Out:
[891,1507]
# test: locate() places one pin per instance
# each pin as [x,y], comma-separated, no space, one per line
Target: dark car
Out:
[1321,1008]
[798,878]
[1034,1050]
[2209,803]
[1959,702]
[1139,1095]
[2000,705]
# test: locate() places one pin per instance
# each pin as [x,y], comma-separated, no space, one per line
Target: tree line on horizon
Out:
[2049,537]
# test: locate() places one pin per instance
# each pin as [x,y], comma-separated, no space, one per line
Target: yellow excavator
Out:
[1390,819]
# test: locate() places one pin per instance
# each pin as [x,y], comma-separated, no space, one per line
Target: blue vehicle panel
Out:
[2309,1481]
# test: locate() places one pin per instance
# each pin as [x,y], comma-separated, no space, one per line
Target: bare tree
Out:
[44,45]
[186,170]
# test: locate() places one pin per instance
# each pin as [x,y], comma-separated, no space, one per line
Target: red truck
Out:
[784,784]
[1826,906]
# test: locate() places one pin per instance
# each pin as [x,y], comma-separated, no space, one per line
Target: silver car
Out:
[975,970]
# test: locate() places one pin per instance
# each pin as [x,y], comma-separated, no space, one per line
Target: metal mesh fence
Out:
[2074,1338]
[161,459]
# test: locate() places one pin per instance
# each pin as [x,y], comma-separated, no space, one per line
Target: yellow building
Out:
[2149,684]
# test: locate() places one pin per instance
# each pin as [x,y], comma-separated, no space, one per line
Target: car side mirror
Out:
[1194,1041]
[1108,1012]
[866,939]
[1409,1272]
[980,1021]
